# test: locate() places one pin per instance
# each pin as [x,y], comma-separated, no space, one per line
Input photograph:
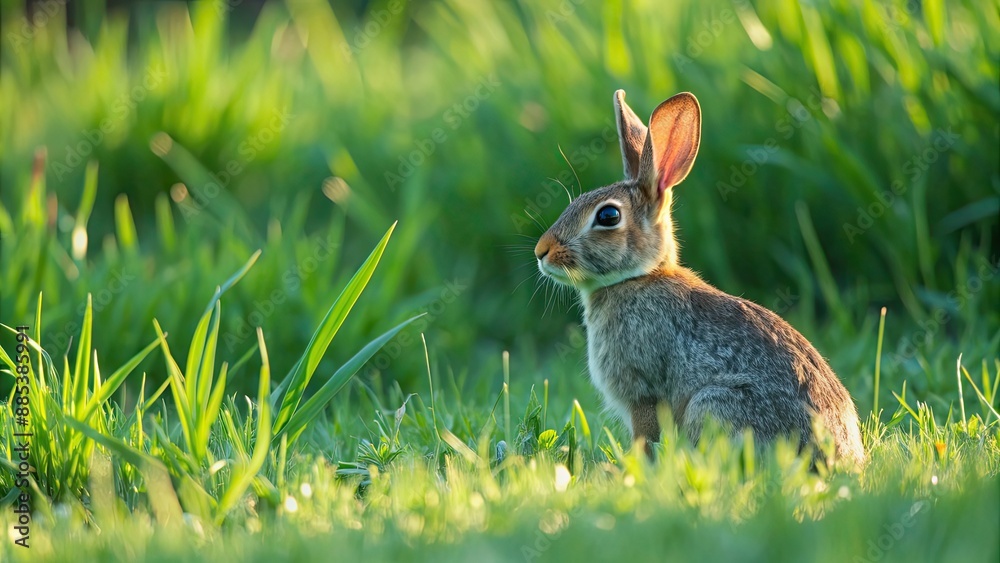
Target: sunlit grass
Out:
[548,490]
[253,137]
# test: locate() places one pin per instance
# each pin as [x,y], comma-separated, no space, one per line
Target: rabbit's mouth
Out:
[584,281]
[560,274]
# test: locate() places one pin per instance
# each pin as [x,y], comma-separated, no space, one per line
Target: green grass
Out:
[848,180]
[450,477]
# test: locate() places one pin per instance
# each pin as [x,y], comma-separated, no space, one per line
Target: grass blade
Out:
[123,450]
[206,372]
[125,226]
[84,211]
[298,378]
[81,373]
[584,426]
[176,379]
[114,381]
[317,402]
[211,411]
[194,361]
[243,480]
[878,360]
[232,280]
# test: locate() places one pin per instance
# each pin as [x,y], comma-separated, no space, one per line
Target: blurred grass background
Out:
[149,149]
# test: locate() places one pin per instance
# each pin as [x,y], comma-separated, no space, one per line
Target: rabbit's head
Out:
[624,230]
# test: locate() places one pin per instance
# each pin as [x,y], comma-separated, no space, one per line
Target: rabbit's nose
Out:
[544,245]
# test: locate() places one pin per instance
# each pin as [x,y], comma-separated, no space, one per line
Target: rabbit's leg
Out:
[767,412]
[645,424]
[731,406]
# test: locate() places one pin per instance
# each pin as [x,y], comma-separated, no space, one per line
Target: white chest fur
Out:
[600,363]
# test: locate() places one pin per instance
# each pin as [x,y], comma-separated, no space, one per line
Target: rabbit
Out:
[657,334]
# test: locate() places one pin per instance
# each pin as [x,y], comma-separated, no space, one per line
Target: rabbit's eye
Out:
[608,216]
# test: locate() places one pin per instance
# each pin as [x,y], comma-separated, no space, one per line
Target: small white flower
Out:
[562,478]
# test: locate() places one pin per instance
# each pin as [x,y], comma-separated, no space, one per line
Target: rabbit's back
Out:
[670,337]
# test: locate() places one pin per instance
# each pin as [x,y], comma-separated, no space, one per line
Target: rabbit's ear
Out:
[671,145]
[631,135]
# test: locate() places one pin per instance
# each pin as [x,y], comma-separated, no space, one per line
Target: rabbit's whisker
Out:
[535,275]
[537,287]
[533,218]
[574,174]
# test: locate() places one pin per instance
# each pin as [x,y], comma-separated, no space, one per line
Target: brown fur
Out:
[659,335]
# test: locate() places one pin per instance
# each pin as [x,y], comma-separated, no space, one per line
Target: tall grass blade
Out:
[114,381]
[295,383]
[232,280]
[81,373]
[878,360]
[125,226]
[79,247]
[177,389]
[245,476]
[315,404]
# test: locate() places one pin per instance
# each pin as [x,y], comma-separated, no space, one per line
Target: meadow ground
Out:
[273,265]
